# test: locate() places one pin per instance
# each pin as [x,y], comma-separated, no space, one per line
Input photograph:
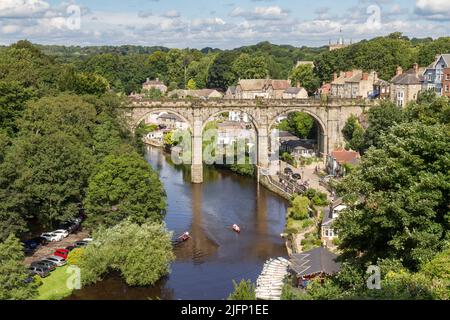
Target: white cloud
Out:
[261,13]
[433,9]
[22,8]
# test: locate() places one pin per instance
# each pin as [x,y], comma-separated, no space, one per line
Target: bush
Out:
[300,208]
[142,253]
[244,291]
[75,256]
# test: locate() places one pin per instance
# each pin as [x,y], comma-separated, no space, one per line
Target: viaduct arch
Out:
[330,115]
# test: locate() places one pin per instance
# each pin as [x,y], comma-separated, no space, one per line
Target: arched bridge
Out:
[330,115]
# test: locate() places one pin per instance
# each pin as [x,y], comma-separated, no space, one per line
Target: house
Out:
[171,122]
[325,89]
[228,132]
[337,160]
[436,76]
[261,88]
[295,93]
[328,234]
[231,93]
[405,86]
[381,90]
[200,94]
[154,84]
[353,84]
[156,135]
[317,263]
[298,148]
[238,116]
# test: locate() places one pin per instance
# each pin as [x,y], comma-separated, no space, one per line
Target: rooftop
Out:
[315,261]
[343,156]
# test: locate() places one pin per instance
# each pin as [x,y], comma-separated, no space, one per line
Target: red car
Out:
[63,253]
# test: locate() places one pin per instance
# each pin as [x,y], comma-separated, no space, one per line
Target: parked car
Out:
[62,232]
[288,171]
[296,176]
[63,253]
[52,237]
[40,241]
[30,244]
[88,240]
[45,264]
[70,248]
[40,271]
[80,244]
[28,280]
[57,260]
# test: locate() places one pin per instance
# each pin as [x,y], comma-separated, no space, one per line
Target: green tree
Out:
[380,119]
[250,67]
[402,211]
[299,209]
[13,98]
[353,134]
[304,76]
[13,272]
[124,186]
[142,253]
[244,291]
[299,124]
[191,84]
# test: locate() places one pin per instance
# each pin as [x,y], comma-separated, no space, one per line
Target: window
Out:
[400,98]
[447,77]
[447,88]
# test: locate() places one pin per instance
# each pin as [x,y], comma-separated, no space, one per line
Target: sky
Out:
[221,24]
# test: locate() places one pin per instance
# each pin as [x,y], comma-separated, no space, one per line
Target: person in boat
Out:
[185,236]
[236,228]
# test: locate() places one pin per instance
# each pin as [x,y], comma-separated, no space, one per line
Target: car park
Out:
[44,264]
[40,271]
[57,260]
[63,253]
[52,237]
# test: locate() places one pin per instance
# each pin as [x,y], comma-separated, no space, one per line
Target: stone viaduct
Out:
[331,116]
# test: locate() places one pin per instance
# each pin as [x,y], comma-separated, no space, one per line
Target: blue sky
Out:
[220,23]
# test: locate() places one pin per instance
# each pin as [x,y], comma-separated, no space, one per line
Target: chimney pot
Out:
[399,70]
[416,67]
[365,76]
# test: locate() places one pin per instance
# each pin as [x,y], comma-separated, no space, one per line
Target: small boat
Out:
[184,237]
[236,228]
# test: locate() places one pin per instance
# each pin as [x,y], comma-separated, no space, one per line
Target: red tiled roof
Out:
[343,156]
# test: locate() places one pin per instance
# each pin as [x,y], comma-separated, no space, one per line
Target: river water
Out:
[207,264]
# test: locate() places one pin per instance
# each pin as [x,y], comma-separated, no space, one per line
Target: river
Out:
[206,265]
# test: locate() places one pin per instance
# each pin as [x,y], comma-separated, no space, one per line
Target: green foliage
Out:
[299,209]
[248,66]
[404,213]
[244,291]
[299,124]
[13,98]
[13,272]
[142,253]
[191,84]
[75,256]
[153,94]
[353,134]
[288,158]
[304,76]
[54,287]
[83,82]
[318,198]
[124,186]
[380,119]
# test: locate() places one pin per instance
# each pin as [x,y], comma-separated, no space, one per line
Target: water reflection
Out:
[206,265]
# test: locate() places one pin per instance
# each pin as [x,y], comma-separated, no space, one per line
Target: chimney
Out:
[365,76]
[335,76]
[299,84]
[157,79]
[399,71]
[348,74]
[416,67]
[148,79]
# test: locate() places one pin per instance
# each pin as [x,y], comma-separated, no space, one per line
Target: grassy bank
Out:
[54,287]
